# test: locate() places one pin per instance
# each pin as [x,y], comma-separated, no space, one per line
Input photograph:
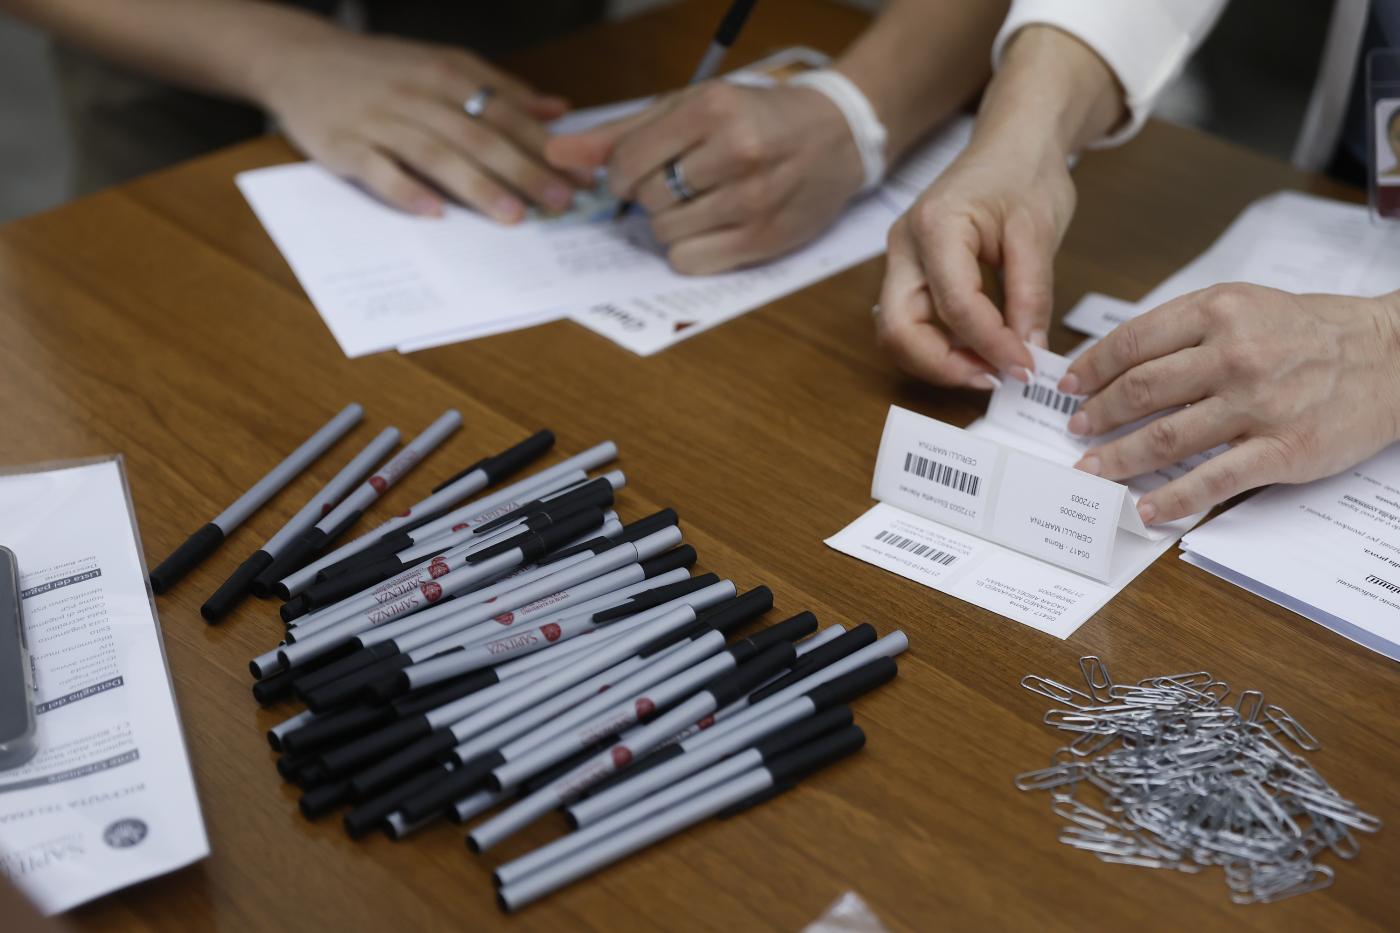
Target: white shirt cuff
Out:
[1145,43]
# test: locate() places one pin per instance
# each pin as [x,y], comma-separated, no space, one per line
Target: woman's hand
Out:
[1301,386]
[389,114]
[1005,202]
[999,204]
[770,168]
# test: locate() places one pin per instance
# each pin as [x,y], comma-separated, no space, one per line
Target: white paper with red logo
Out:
[109,799]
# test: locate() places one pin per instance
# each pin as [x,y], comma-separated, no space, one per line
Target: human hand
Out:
[388,113]
[770,169]
[1301,386]
[1004,202]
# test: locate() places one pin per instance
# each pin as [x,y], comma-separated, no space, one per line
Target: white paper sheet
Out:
[1002,522]
[109,799]
[1288,240]
[383,279]
[1327,550]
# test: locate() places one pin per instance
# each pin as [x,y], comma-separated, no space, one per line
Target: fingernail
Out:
[1070,384]
[1147,512]
[983,381]
[1089,464]
[1079,424]
[426,206]
[1021,373]
[1039,338]
[507,210]
[558,196]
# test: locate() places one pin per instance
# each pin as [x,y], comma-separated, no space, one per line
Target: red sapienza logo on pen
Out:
[379,483]
[432,592]
[621,756]
[551,632]
[645,707]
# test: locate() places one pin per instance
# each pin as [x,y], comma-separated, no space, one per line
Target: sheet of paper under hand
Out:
[382,279]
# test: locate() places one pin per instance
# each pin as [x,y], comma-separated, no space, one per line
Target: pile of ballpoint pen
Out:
[528,651]
[1164,773]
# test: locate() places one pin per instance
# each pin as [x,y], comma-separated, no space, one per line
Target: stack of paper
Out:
[1328,550]
[382,279]
[1292,241]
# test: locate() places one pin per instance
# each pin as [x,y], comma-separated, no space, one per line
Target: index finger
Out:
[949,252]
[905,328]
[1165,329]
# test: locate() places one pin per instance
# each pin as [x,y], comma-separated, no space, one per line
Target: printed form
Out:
[1291,241]
[109,799]
[1328,550]
[996,514]
[382,279]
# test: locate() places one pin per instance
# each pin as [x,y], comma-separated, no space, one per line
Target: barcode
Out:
[926,551]
[1048,397]
[942,474]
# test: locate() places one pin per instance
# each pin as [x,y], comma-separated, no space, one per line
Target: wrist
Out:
[823,130]
[1387,316]
[279,46]
[859,115]
[1053,90]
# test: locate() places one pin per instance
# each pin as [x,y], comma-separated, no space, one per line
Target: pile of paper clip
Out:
[1165,773]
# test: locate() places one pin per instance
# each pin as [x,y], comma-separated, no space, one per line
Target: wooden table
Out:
[158,320]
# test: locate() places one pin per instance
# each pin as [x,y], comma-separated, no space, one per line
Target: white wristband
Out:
[864,123]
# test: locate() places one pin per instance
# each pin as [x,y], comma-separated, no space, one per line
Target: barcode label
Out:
[1044,395]
[926,551]
[942,473]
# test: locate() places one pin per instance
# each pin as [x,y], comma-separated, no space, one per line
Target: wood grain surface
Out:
[157,320]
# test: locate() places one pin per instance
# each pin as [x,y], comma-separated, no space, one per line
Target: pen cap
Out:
[829,653]
[534,543]
[380,550]
[651,524]
[737,612]
[183,559]
[650,599]
[237,586]
[675,559]
[786,770]
[595,492]
[515,458]
[729,687]
[638,529]
[804,731]
[815,755]
[848,686]
[446,791]
[789,630]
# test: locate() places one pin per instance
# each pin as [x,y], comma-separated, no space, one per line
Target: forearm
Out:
[224,47]
[921,60]
[1051,88]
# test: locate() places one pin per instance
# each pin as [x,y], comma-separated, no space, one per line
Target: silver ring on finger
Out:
[476,105]
[675,181]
